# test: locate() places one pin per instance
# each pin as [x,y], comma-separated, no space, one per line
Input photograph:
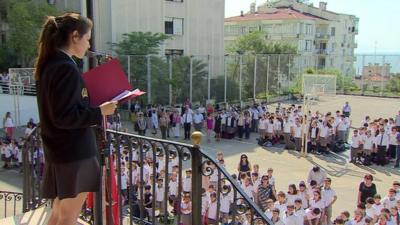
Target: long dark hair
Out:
[55,34]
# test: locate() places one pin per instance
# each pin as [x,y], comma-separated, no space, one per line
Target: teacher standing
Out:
[66,118]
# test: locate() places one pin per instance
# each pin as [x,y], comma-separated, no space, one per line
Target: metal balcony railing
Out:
[143,163]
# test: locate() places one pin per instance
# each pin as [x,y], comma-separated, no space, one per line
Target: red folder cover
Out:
[108,81]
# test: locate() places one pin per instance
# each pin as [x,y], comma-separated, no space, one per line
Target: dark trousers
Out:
[381,155]
[397,156]
[254,125]
[247,131]
[142,132]
[187,127]
[392,151]
[240,131]
[163,132]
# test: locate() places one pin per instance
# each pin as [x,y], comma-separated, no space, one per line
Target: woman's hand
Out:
[108,108]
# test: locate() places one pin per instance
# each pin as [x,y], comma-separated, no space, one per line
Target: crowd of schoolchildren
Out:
[308,201]
[11,146]
[305,202]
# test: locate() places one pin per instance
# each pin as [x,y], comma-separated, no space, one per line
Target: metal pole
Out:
[225,78]
[209,78]
[129,77]
[362,77]
[196,179]
[240,78]
[148,79]
[170,79]
[255,77]
[279,74]
[266,89]
[383,63]
[191,79]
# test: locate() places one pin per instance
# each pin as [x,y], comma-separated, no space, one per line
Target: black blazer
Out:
[66,119]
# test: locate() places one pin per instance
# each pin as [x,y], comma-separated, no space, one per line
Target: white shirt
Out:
[389,203]
[173,187]
[124,181]
[378,208]
[343,125]
[292,198]
[198,118]
[277,125]
[297,131]
[291,220]
[212,210]
[393,138]
[287,126]
[355,141]
[225,202]
[324,131]
[319,177]
[317,204]
[28,131]
[248,190]
[371,212]
[282,208]
[159,193]
[262,125]
[187,184]
[381,140]
[304,201]
[313,132]
[368,142]
[187,118]
[328,195]
[270,127]
[300,215]
[8,122]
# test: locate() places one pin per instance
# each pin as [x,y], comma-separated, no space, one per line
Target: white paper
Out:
[125,94]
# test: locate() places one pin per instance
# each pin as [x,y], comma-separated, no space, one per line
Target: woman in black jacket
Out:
[66,118]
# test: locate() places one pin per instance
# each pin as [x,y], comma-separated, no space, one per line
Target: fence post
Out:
[129,78]
[197,178]
[279,74]
[383,63]
[255,77]
[266,89]
[362,77]
[170,78]
[191,79]
[225,78]
[208,78]
[148,79]
[240,78]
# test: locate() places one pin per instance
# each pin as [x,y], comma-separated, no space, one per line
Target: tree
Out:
[139,43]
[394,85]
[273,62]
[25,19]
[143,48]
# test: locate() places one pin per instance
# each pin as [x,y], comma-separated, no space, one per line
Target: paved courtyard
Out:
[290,167]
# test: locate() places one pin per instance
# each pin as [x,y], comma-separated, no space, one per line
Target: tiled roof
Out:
[278,14]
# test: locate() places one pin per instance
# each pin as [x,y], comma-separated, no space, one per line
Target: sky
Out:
[379,21]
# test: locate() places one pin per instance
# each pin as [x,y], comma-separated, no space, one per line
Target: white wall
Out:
[27,108]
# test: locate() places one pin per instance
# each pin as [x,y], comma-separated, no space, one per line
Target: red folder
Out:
[108,81]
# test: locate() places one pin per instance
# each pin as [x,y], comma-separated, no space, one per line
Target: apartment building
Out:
[195,26]
[323,38]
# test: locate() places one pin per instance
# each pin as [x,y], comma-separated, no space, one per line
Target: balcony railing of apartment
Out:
[322,36]
[144,163]
[322,51]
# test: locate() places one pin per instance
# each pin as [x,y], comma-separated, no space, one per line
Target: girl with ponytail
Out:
[66,117]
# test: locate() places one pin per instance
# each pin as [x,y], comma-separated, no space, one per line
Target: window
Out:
[174,0]
[173,26]
[309,29]
[333,31]
[3,15]
[308,45]
[51,2]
